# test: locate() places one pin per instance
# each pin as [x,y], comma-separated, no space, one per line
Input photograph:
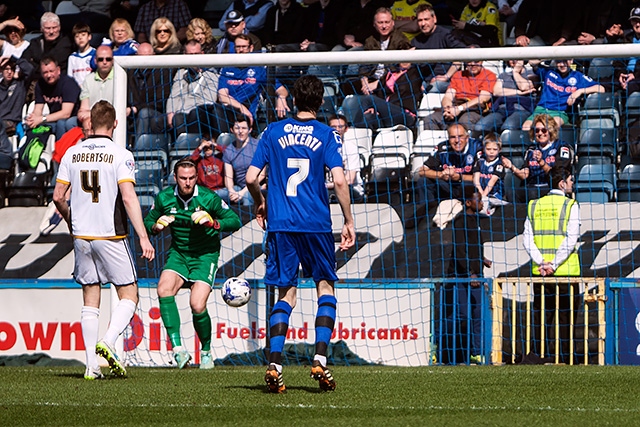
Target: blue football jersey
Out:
[557,152]
[557,89]
[487,171]
[297,152]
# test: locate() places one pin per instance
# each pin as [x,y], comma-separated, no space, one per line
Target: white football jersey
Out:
[94,168]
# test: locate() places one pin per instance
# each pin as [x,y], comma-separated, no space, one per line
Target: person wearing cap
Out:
[235,25]
[561,88]
[254,13]
[175,11]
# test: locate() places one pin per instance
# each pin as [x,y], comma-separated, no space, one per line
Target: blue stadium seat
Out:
[187,141]
[152,141]
[596,183]
[601,105]
[629,183]
[151,167]
[601,70]
[225,139]
[598,142]
[514,142]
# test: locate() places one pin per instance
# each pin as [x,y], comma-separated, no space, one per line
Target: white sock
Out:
[90,325]
[120,318]
[278,367]
[321,359]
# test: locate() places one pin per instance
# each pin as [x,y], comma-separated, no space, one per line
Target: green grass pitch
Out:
[365,396]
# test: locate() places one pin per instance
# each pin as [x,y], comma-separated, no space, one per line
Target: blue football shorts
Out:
[287,251]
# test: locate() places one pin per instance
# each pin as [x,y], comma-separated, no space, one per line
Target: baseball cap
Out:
[234,17]
[634,14]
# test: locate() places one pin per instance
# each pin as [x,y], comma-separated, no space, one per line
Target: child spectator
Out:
[489,173]
[209,164]
[79,64]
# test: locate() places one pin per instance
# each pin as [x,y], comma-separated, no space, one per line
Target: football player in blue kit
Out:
[297,151]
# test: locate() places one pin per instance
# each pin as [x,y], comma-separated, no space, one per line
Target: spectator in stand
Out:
[200,31]
[163,37]
[175,11]
[508,10]
[283,27]
[192,88]
[150,88]
[513,99]
[394,101]
[466,100]
[540,157]
[235,26]
[29,11]
[209,164]
[13,92]
[97,86]
[592,22]
[561,88]
[50,44]
[449,169]
[355,25]
[479,25]
[350,161]
[434,37]
[94,13]
[321,25]
[60,92]
[79,63]
[404,15]
[15,44]
[386,38]
[544,22]
[489,173]
[122,38]
[254,12]
[626,71]
[237,158]
[127,10]
[240,89]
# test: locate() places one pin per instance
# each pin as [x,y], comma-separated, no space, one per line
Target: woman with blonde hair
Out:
[545,152]
[200,31]
[164,38]
[122,38]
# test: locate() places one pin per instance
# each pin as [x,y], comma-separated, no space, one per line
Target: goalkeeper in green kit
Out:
[196,216]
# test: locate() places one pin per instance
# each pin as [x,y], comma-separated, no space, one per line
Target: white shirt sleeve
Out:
[568,245]
[530,245]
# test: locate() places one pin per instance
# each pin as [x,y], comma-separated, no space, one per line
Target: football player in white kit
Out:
[101,176]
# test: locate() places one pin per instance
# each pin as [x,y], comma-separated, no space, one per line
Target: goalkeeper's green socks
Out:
[171,319]
[202,325]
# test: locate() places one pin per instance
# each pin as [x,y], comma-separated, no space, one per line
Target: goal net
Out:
[393,305]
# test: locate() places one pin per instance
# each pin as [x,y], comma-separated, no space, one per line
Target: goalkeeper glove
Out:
[164,221]
[203,218]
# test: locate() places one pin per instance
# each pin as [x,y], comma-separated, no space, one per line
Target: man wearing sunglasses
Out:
[97,85]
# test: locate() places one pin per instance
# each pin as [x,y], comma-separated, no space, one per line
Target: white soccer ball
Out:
[236,292]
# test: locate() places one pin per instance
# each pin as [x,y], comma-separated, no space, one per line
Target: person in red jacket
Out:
[209,164]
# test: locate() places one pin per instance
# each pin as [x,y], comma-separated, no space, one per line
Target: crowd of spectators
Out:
[62,70]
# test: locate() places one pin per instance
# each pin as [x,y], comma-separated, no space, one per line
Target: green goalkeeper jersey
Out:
[186,236]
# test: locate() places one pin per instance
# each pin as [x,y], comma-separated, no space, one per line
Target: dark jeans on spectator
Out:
[384,115]
[150,121]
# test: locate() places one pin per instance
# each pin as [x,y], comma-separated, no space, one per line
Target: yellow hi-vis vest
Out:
[549,217]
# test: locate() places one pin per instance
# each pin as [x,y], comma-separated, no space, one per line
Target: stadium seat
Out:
[601,70]
[428,140]
[596,183]
[629,183]
[514,142]
[67,8]
[601,105]
[632,108]
[430,101]
[151,167]
[594,142]
[225,139]
[592,160]
[152,141]
[187,141]
[391,147]
[569,134]
[363,138]
[597,123]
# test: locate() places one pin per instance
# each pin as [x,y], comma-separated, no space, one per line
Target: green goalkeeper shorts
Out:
[201,268]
